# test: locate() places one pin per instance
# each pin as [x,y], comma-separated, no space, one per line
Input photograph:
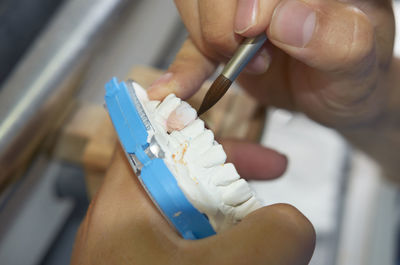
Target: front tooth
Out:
[213,156]
[152,104]
[247,207]
[183,115]
[224,174]
[194,129]
[236,193]
[173,143]
[168,105]
[178,136]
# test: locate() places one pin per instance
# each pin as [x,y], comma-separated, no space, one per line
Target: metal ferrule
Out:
[242,56]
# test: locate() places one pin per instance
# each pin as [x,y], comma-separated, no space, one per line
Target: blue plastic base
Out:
[159,182]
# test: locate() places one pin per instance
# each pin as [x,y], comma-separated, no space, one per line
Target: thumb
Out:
[185,75]
[326,35]
[277,234]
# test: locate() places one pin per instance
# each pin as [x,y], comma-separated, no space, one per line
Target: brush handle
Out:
[242,56]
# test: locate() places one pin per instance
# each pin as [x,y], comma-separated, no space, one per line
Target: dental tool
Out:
[232,69]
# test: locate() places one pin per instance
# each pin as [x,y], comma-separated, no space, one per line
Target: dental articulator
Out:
[183,171]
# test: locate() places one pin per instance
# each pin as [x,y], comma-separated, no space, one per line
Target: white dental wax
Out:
[197,162]
[181,117]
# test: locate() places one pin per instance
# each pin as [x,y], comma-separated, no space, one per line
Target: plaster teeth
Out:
[197,162]
[224,175]
[161,139]
[236,193]
[180,138]
[169,104]
[194,129]
[201,143]
[241,211]
[213,156]
[208,204]
[183,115]
[152,104]
[173,143]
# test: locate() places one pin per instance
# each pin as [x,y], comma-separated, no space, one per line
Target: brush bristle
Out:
[215,93]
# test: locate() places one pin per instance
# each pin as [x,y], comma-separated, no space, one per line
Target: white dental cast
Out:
[198,162]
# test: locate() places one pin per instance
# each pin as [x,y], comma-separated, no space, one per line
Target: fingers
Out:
[122,225]
[217,19]
[189,12]
[252,17]
[253,161]
[192,64]
[123,201]
[185,75]
[260,63]
[212,39]
[210,26]
[329,36]
[339,59]
[278,234]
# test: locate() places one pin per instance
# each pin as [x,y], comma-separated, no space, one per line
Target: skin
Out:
[122,226]
[343,77]
[338,79]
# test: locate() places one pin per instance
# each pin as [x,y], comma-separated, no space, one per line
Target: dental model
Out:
[178,161]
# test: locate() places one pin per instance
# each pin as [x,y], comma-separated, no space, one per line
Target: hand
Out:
[122,226]
[327,58]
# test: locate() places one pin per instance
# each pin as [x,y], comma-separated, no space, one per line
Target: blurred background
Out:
[55,142]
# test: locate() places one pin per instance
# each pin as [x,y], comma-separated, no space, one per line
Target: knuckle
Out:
[190,49]
[218,39]
[361,40]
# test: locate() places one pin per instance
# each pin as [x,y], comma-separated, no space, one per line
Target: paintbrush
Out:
[232,69]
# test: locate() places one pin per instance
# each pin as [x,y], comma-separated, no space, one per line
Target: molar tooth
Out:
[241,211]
[170,103]
[204,174]
[203,142]
[236,193]
[224,175]
[194,129]
[213,156]
[183,115]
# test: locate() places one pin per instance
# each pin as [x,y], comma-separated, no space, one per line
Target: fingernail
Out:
[159,87]
[293,23]
[181,117]
[246,15]
[260,63]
